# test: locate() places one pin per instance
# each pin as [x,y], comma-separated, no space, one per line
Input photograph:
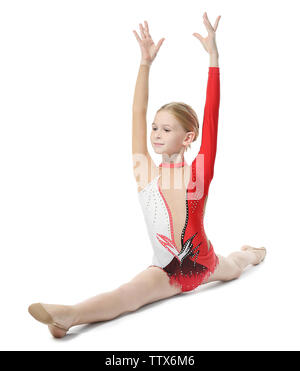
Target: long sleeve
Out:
[210,123]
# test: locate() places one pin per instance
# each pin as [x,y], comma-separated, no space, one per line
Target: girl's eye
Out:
[167,130]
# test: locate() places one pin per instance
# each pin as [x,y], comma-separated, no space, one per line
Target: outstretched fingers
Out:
[201,38]
[159,44]
[216,23]
[147,29]
[142,31]
[208,25]
[137,36]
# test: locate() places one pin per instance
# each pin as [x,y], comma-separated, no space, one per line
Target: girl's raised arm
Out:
[211,111]
[140,103]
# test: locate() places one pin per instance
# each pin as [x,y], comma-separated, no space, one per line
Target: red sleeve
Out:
[210,123]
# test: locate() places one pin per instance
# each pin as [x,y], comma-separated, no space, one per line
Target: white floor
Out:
[259,311]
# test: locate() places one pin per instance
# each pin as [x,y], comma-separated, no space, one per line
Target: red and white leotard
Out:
[191,263]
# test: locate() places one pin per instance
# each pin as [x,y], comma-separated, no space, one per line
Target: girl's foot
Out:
[59,318]
[260,252]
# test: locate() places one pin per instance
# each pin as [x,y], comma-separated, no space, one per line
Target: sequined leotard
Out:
[195,260]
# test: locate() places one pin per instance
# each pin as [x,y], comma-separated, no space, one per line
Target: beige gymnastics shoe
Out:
[39,312]
[255,250]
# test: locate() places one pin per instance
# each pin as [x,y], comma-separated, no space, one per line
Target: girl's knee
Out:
[130,296]
[136,294]
[233,269]
[236,270]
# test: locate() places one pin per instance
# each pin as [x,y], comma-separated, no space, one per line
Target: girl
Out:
[173,198]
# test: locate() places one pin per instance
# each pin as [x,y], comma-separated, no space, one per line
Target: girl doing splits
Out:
[173,197]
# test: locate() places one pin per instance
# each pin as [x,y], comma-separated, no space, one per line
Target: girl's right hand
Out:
[148,49]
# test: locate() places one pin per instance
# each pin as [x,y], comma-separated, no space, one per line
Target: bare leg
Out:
[148,286]
[233,265]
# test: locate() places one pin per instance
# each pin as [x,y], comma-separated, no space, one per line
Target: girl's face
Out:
[167,135]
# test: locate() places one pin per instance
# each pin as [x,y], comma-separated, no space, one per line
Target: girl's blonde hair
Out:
[185,115]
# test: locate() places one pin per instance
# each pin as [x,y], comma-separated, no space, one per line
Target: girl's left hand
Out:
[209,42]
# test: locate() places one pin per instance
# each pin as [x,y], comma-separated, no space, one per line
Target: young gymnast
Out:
[173,198]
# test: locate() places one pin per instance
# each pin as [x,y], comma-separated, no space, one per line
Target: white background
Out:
[70,222]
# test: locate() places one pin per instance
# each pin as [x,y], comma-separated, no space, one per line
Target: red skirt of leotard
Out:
[188,274]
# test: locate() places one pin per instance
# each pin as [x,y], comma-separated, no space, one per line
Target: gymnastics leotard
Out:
[193,263]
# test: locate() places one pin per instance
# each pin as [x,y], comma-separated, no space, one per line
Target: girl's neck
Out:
[173,163]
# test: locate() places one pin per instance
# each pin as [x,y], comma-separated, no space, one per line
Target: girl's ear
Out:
[189,138]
